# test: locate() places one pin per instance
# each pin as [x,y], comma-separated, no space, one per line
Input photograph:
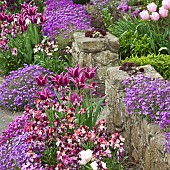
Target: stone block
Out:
[144,141]
[112,42]
[96,52]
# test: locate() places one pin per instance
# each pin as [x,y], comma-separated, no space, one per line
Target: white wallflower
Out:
[104,165]
[85,156]
[94,165]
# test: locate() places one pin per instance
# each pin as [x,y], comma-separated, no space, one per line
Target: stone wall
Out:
[96,52]
[144,141]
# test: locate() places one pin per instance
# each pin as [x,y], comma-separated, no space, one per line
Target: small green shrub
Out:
[160,62]
[134,44]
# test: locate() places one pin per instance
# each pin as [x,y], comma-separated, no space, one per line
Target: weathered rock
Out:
[144,141]
[96,52]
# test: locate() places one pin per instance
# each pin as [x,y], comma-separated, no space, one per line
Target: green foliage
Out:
[108,18]
[53,54]
[93,110]
[134,44]
[160,62]
[126,24]
[23,43]
[142,2]
[140,38]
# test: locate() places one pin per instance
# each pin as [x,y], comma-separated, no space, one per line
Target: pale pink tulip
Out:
[154,16]
[166,4]
[163,12]
[144,15]
[152,7]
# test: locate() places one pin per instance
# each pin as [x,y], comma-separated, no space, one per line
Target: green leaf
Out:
[98,108]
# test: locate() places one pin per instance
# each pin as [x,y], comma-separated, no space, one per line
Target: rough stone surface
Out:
[96,52]
[144,141]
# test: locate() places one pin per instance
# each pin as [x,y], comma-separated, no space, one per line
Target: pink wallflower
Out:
[152,7]
[144,15]
[154,16]
[14,51]
[166,4]
[163,12]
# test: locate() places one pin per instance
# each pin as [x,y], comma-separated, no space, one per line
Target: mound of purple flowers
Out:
[167,142]
[151,98]
[19,88]
[64,16]
[13,153]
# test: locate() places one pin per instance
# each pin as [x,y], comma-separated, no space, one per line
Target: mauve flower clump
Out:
[65,16]
[148,96]
[13,153]
[151,98]
[20,89]
[167,141]
[101,3]
[14,150]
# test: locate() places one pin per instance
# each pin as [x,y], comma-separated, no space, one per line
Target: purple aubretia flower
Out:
[65,16]
[19,88]
[123,7]
[151,98]
[136,13]
[167,142]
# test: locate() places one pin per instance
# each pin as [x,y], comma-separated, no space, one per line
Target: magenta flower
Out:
[75,100]
[43,18]
[23,28]
[90,73]
[41,81]
[74,72]
[31,10]
[60,80]
[10,18]
[44,94]
[3,16]
[79,82]
[21,21]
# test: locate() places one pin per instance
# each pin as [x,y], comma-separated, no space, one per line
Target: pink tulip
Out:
[144,15]
[90,73]
[41,81]
[163,12]
[154,16]
[151,7]
[166,4]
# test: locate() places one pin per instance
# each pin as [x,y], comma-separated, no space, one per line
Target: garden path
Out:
[6,116]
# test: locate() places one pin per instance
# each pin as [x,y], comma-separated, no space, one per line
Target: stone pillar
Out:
[144,141]
[96,52]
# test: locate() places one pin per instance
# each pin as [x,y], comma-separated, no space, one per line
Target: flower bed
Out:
[63,134]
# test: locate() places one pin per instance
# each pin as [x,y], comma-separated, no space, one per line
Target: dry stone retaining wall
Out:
[144,141]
